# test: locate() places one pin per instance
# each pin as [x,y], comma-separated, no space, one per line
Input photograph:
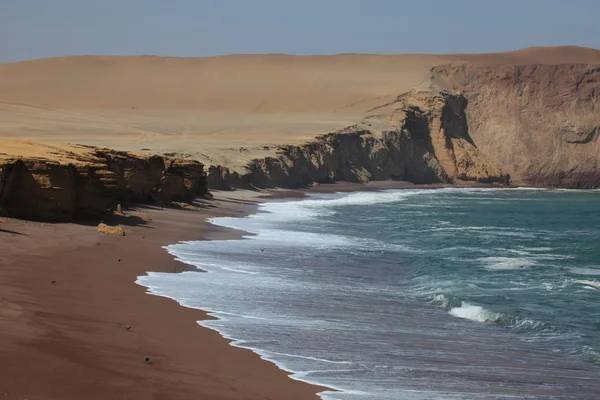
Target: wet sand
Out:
[67,296]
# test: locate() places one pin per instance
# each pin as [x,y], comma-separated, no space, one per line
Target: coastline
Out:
[68,295]
[241,301]
[78,323]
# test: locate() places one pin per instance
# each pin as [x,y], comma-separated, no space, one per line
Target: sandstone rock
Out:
[94,184]
[111,230]
[539,122]
[181,180]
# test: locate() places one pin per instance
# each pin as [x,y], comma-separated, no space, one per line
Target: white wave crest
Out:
[474,313]
[220,314]
[588,283]
[585,270]
[506,263]
[310,358]
[316,205]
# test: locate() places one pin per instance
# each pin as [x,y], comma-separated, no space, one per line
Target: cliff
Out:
[423,139]
[92,182]
[539,122]
[534,125]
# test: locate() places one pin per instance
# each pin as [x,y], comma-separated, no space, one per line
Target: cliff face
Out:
[424,139]
[48,190]
[540,123]
[535,125]
[531,125]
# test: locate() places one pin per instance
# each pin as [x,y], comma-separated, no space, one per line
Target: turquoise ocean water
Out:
[411,294]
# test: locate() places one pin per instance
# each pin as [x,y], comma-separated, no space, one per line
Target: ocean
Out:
[454,293]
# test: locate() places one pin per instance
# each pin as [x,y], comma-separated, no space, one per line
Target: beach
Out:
[89,315]
[69,296]
[449,293]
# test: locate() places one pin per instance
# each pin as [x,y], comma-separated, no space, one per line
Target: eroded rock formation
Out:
[424,139]
[92,184]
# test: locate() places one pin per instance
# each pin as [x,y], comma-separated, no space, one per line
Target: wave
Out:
[476,313]
[220,314]
[593,271]
[536,248]
[310,358]
[587,283]
[479,314]
[475,228]
[318,204]
[506,263]
[489,231]
[446,302]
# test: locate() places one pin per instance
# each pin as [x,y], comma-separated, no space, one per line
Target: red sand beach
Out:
[67,295]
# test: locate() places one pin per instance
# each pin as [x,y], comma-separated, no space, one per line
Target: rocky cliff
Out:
[532,125]
[421,137]
[540,123]
[93,183]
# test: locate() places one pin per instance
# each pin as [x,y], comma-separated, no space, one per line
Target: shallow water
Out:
[411,294]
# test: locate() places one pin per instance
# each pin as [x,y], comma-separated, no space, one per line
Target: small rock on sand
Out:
[111,230]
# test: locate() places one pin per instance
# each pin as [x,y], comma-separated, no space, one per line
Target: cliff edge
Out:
[79,181]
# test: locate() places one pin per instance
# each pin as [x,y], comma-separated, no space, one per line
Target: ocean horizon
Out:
[452,293]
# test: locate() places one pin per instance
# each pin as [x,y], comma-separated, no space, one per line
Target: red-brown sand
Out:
[67,295]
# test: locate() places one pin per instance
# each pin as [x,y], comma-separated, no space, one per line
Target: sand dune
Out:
[210,107]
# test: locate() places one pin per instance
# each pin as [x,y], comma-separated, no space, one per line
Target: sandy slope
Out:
[210,107]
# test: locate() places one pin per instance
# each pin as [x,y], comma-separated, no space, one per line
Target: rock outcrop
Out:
[424,139]
[540,123]
[110,230]
[43,189]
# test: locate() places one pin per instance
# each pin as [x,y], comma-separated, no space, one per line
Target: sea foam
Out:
[506,263]
[474,313]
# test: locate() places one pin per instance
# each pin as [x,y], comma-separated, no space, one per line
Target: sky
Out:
[191,28]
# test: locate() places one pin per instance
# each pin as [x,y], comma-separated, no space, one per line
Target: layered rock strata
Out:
[43,189]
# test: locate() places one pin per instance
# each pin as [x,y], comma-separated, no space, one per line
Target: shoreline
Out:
[64,327]
[67,315]
[257,198]
[297,196]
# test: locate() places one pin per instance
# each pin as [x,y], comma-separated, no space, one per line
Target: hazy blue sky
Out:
[45,28]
